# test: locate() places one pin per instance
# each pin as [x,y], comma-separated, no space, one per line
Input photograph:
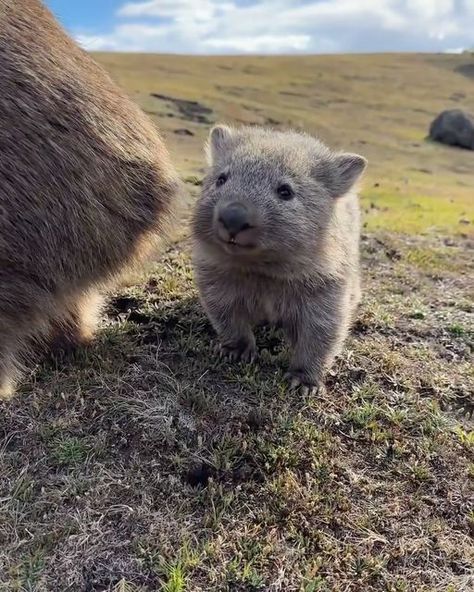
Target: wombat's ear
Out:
[349,169]
[218,142]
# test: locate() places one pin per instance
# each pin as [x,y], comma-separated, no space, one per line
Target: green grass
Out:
[68,450]
[174,578]
[411,212]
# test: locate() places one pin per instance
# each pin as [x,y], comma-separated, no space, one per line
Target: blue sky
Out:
[268,26]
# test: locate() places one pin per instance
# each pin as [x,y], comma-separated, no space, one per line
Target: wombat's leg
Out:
[242,348]
[234,330]
[76,326]
[316,335]
[8,369]
[7,384]
[356,296]
[237,341]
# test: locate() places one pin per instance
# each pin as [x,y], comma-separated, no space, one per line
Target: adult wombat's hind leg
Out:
[76,326]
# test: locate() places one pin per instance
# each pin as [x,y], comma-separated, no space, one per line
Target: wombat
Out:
[276,239]
[85,184]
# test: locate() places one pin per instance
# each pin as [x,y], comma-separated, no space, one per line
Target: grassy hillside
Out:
[145,464]
[381,106]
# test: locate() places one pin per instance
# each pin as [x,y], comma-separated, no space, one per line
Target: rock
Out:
[466,70]
[190,110]
[454,128]
[183,132]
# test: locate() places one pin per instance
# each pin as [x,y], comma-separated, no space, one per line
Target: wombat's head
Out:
[270,194]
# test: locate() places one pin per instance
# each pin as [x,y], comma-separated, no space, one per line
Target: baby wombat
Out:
[85,183]
[276,234]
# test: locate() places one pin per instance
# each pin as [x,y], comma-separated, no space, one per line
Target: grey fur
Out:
[295,261]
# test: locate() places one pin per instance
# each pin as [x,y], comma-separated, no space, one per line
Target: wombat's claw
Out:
[304,388]
[236,354]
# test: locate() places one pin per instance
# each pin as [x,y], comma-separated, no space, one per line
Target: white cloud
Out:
[165,8]
[454,50]
[96,42]
[262,43]
[285,26]
[201,10]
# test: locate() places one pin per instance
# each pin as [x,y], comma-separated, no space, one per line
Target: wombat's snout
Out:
[234,218]
[235,225]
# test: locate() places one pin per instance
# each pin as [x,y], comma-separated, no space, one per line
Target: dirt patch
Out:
[189,110]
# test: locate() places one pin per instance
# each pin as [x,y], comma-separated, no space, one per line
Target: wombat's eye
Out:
[285,192]
[221,179]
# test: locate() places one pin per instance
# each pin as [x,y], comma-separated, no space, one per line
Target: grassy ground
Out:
[144,464]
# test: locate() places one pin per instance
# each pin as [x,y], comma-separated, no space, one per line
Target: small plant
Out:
[417,314]
[466,438]
[69,450]
[174,577]
[174,572]
[31,572]
[420,472]
[124,586]
[363,415]
[456,330]
[314,585]
[244,573]
[470,471]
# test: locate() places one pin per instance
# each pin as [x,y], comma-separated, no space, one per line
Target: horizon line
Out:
[276,55]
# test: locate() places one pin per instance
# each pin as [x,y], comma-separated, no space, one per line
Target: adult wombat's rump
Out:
[85,184]
[277,239]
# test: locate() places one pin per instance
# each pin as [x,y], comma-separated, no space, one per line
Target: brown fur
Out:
[85,184]
[277,239]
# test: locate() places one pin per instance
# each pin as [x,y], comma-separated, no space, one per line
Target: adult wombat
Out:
[85,183]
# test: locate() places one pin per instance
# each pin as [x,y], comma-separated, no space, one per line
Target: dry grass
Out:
[144,464]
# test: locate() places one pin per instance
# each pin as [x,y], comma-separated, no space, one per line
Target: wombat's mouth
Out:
[236,229]
[231,245]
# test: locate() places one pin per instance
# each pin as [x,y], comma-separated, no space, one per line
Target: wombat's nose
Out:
[234,218]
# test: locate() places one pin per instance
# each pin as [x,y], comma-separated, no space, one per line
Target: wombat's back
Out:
[84,176]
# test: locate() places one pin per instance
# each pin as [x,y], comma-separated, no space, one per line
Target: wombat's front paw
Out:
[244,351]
[300,382]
